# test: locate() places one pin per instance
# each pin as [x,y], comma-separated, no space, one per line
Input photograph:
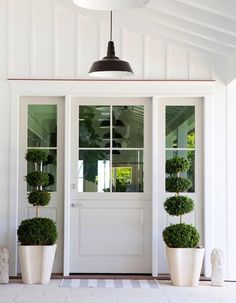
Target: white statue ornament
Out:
[217,262]
[4,265]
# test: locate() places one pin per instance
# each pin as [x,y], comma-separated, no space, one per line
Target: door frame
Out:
[113,88]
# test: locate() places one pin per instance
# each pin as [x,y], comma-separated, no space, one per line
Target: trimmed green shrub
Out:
[177,165]
[181,236]
[177,184]
[39,198]
[178,205]
[37,231]
[37,178]
[36,155]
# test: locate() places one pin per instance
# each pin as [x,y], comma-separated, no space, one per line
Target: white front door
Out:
[110,225]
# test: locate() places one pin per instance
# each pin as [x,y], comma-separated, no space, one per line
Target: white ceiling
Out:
[206,25]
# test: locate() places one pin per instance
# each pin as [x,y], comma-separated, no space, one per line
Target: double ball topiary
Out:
[179,235]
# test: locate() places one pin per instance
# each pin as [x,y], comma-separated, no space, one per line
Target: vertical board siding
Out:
[155,60]
[200,67]
[3,39]
[65,43]
[42,39]
[179,63]
[19,38]
[132,51]
[88,45]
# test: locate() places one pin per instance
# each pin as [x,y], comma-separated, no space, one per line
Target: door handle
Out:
[74,205]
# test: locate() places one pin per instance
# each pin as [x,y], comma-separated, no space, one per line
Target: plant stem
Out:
[181,221]
[37,211]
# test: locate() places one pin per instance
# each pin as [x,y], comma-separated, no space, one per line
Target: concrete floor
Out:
[52,293]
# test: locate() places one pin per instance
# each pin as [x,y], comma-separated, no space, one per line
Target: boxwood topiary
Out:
[181,235]
[177,165]
[36,155]
[39,198]
[37,231]
[178,205]
[37,178]
[177,184]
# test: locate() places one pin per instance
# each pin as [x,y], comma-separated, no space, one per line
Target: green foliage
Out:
[177,165]
[178,205]
[39,198]
[37,231]
[36,155]
[181,236]
[177,184]
[37,178]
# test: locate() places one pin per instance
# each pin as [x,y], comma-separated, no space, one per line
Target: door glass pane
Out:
[94,126]
[94,171]
[127,171]
[42,125]
[180,127]
[128,126]
[190,155]
[50,166]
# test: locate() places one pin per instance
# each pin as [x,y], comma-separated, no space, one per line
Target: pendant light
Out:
[110,66]
[110,5]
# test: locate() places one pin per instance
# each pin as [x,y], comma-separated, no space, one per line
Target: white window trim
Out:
[87,88]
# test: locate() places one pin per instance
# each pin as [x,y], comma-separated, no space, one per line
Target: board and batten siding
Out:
[52,39]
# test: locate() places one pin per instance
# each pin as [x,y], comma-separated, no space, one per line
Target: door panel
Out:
[111,204]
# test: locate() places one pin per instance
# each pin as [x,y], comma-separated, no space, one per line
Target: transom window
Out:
[111,146]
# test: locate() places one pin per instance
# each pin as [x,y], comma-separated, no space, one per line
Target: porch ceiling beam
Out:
[150,28]
[195,15]
[219,7]
[186,26]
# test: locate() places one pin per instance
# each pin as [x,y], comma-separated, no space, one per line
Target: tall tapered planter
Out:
[185,265]
[36,263]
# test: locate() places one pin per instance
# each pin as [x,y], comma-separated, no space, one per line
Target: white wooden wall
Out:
[51,39]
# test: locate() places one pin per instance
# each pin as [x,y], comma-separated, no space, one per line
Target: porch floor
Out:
[52,293]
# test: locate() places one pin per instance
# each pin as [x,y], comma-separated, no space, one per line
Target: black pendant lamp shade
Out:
[111,66]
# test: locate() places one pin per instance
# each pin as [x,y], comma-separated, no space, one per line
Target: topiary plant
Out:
[38,231]
[179,235]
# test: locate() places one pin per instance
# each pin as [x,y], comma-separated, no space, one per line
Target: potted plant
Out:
[181,239]
[38,235]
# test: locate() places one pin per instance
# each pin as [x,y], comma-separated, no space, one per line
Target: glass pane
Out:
[190,155]
[128,126]
[127,171]
[180,126]
[42,125]
[50,166]
[94,126]
[94,171]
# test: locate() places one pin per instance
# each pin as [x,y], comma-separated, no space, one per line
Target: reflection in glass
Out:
[127,171]
[180,127]
[128,126]
[93,171]
[94,123]
[42,125]
[50,166]
[190,155]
